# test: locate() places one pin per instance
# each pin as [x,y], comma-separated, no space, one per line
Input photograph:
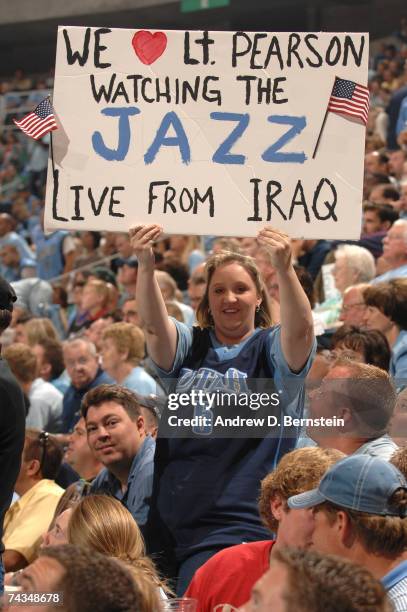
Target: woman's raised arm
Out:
[297,329]
[159,330]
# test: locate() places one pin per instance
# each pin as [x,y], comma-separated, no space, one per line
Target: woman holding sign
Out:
[207,480]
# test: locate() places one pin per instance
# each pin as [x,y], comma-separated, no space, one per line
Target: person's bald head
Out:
[6,223]
[377,162]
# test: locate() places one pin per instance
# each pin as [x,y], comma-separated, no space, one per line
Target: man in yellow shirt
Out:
[29,517]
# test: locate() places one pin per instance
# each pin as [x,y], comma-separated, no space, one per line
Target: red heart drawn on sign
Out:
[149,47]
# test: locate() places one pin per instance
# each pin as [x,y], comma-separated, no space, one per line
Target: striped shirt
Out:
[395,582]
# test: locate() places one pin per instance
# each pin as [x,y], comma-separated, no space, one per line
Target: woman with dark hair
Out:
[368,345]
[206,484]
[90,252]
[387,311]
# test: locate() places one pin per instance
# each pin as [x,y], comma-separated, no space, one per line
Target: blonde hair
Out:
[101,289]
[22,361]
[174,311]
[164,279]
[128,338]
[40,329]
[263,314]
[102,524]
[113,297]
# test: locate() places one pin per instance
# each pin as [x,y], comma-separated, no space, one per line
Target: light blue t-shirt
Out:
[13,239]
[400,272]
[395,583]
[139,381]
[398,361]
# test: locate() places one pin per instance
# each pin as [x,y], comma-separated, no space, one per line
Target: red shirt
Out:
[229,576]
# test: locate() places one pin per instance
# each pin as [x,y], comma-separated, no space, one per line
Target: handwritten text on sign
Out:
[205,132]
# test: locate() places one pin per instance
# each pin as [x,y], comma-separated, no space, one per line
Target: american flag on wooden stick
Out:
[39,122]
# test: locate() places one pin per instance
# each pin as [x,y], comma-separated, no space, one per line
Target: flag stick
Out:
[320,133]
[51,149]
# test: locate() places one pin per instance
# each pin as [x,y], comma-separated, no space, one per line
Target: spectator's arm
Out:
[160,331]
[69,261]
[69,252]
[297,326]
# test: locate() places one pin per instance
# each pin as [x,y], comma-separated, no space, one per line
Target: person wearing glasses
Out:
[353,305]
[29,517]
[394,253]
[79,455]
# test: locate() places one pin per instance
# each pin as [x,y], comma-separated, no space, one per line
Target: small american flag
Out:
[39,122]
[349,99]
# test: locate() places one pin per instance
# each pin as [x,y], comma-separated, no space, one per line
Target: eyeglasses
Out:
[394,236]
[43,438]
[130,313]
[346,307]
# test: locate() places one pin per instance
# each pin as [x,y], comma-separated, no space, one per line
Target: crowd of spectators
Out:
[94,354]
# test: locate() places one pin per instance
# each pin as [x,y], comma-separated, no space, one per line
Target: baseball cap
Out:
[105,275]
[132,262]
[359,482]
[154,403]
[7,295]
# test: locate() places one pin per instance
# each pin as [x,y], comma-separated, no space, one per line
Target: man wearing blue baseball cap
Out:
[361,514]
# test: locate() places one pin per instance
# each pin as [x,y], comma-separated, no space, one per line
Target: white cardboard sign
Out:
[205,132]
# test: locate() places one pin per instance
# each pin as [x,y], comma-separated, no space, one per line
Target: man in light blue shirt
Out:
[395,252]
[116,434]
[9,237]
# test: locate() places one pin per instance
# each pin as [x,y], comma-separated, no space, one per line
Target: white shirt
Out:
[45,406]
